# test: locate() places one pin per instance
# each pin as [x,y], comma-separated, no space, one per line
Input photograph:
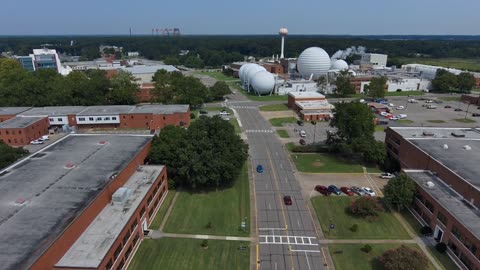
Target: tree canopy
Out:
[403,258]
[208,154]
[9,155]
[445,81]
[399,192]
[343,87]
[123,89]
[218,90]
[376,87]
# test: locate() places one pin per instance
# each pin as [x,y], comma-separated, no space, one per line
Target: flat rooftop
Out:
[107,110]
[458,159]
[314,105]
[143,69]
[20,122]
[42,194]
[94,243]
[468,215]
[12,110]
[160,109]
[54,111]
[310,94]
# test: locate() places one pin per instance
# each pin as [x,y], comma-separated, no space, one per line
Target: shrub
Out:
[365,207]
[354,228]
[209,225]
[399,90]
[204,243]
[441,247]
[192,116]
[403,258]
[426,230]
[367,248]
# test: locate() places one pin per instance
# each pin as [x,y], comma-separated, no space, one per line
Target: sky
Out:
[335,17]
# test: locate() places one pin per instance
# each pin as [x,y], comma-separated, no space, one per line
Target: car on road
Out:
[401,108]
[334,189]
[36,142]
[458,110]
[476,114]
[287,200]
[358,191]
[300,123]
[386,175]
[448,107]
[302,142]
[259,168]
[369,191]
[203,112]
[347,191]
[322,190]
[224,113]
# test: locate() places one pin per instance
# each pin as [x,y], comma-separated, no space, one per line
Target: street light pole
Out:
[314,130]
[466,112]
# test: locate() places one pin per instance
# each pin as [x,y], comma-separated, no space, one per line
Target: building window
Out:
[134,225]
[155,190]
[51,119]
[442,218]
[125,238]
[90,118]
[149,200]
[150,213]
[429,205]
[128,252]
[121,264]
[117,252]
[99,118]
[123,116]
[60,119]
[81,119]
[135,239]
[142,212]
[114,118]
[456,232]
[131,116]
[19,132]
[109,265]
[106,118]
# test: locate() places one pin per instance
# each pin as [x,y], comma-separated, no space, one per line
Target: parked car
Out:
[402,116]
[300,123]
[303,134]
[431,107]
[476,114]
[288,200]
[401,108]
[43,138]
[438,101]
[382,122]
[357,191]
[224,113]
[334,189]
[458,110]
[369,191]
[302,142]
[36,142]
[203,112]
[428,101]
[322,190]
[448,106]
[383,113]
[259,168]
[386,175]
[412,100]
[347,191]
[394,118]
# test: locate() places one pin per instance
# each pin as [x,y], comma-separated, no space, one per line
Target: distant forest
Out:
[217,50]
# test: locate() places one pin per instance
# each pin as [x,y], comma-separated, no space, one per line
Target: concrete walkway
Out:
[367,241]
[172,203]
[155,234]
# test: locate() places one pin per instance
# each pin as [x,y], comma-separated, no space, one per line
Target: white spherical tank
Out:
[251,71]
[313,61]
[339,65]
[283,31]
[263,82]
[243,70]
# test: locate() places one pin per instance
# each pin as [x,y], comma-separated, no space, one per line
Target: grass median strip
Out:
[327,163]
[465,120]
[216,212]
[274,107]
[278,122]
[188,254]
[405,121]
[282,133]
[436,121]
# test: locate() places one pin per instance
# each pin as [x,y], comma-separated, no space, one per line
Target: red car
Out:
[347,191]
[287,200]
[323,190]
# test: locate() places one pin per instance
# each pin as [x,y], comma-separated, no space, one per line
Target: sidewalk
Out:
[155,234]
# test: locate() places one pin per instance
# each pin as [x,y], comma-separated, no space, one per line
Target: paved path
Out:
[367,241]
[155,234]
[172,203]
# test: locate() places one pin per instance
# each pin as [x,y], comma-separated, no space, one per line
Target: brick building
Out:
[84,203]
[20,131]
[443,162]
[10,112]
[472,99]
[310,106]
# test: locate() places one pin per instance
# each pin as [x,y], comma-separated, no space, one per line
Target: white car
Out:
[36,142]
[387,176]
[402,116]
[303,134]
[369,191]
[412,100]
[383,113]
[224,113]
[394,118]
[401,108]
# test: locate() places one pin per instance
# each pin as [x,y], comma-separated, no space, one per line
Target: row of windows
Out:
[465,241]
[460,255]
[121,245]
[7,132]
[81,119]
[58,119]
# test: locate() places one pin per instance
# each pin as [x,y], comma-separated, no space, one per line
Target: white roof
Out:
[314,105]
[310,94]
[141,69]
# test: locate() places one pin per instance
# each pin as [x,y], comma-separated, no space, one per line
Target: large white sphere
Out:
[339,65]
[242,71]
[263,82]
[313,61]
[283,31]
[251,71]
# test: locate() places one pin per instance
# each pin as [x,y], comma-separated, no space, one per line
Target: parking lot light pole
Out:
[314,130]
[466,112]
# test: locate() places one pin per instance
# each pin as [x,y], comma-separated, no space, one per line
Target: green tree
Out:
[444,81]
[399,192]
[123,89]
[374,152]
[171,60]
[403,258]
[9,155]
[218,90]
[343,86]
[354,122]
[466,81]
[376,87]
[322,84]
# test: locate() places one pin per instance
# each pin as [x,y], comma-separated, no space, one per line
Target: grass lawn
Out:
[386,226]
[405,121]
[157,221]
[274,107]
[216,75]
[278,122]
[450,98]
[225,209]
[326,163]
[354,258]
[436,121]
[234,122]
[404,93]
[282,133]
[187,254]
[379,128]
[465,120]
[459,63]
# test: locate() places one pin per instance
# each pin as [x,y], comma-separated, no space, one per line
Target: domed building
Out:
[263,82]
[339,65]
[313,62]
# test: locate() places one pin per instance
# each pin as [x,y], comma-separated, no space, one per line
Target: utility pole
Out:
[466,112]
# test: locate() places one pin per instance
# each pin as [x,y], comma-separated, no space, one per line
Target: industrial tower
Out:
[283,32]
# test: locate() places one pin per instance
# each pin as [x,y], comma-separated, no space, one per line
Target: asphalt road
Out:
[286,234]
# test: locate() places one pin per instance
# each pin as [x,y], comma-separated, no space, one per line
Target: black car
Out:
[203,112]
[302,142]
[300,123]
[448,106]
[334,189]
[458,110]
[476,114]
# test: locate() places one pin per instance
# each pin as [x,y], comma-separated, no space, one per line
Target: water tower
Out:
[283,32]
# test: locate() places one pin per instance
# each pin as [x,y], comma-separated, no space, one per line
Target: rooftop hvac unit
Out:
[445,146]
[429,184]
[120,196]
[467,147]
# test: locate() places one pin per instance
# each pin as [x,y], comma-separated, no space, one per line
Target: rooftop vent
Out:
[458,135]
[429,184]
[445,146]
[427,134]
[467,147]
[120,196]
[70,165]
[20,200]
[101,142]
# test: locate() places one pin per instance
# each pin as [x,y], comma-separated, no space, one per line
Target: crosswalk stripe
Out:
[259,131]
[287,240]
